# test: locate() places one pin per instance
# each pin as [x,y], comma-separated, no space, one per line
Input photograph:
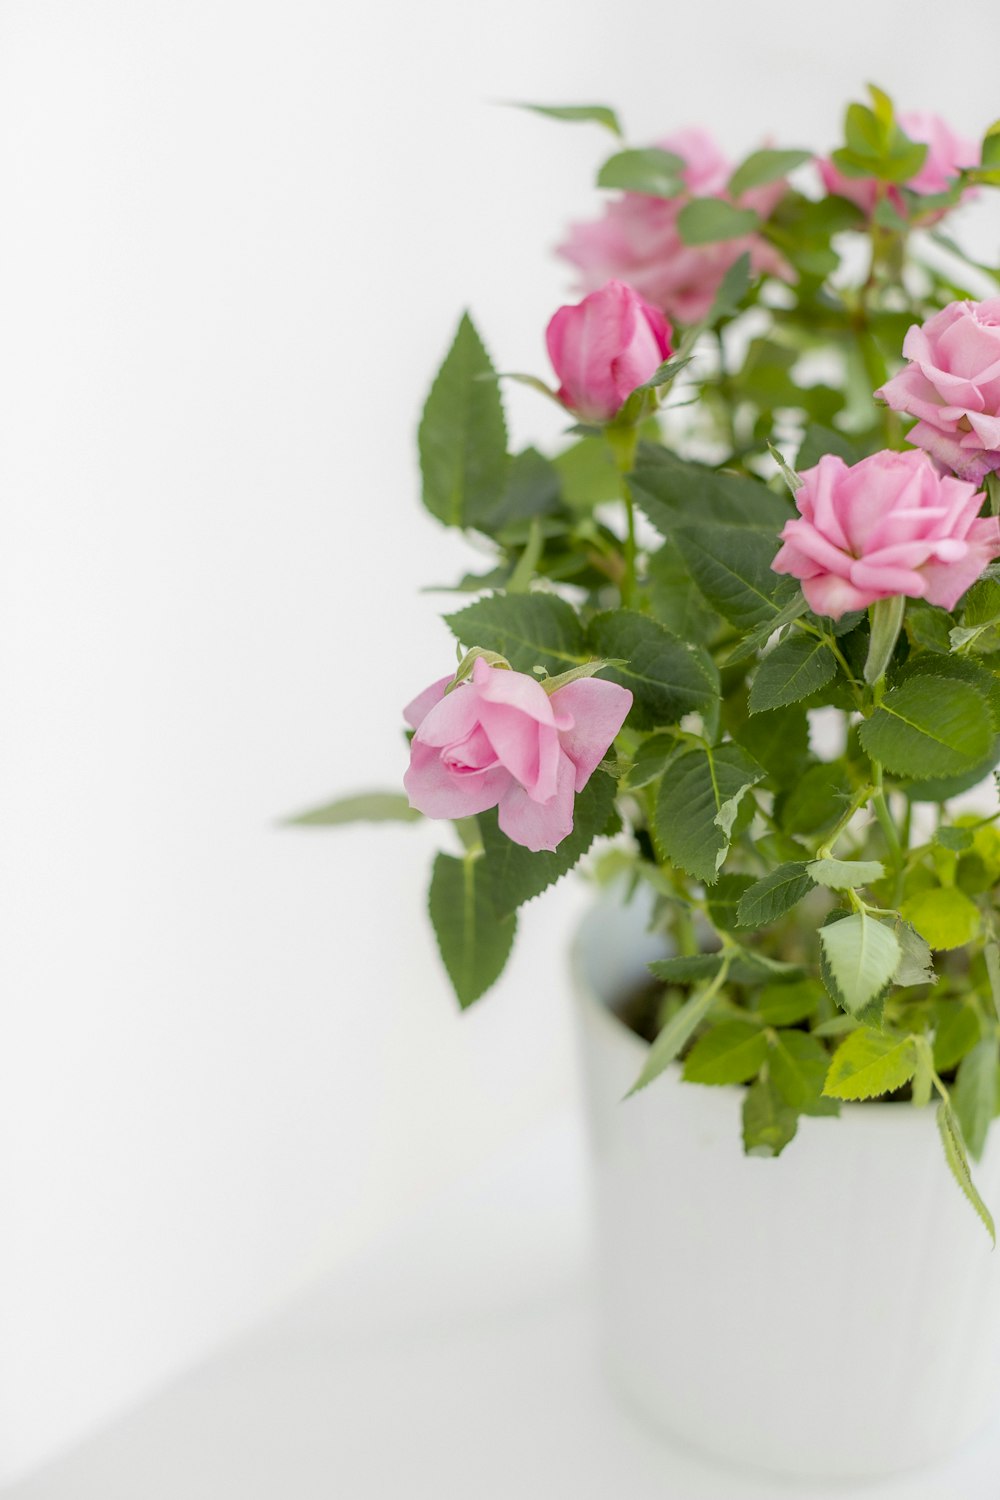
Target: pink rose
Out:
[952,384]
[501,741]
[946,153]
[637,240]
[891,524]
[604,347]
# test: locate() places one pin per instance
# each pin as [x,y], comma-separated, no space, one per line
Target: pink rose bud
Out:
[947,153]
[604,347]
[952,384]
[499,740]
[637,240]
[891,524]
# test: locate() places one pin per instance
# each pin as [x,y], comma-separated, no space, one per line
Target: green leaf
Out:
[798,1064]
[673,598]
[513,874]
[929,726]
[723,900]
[528,629]
[732,289]
[586,114]
[697,805]
[765,166]
[785,1004]
[532,489]
[768,1122]
[956,1032]
[975,1093]
[672,492]
[675,1036]
[845,874]
[917,966]
[944,916]
[463,435]
[686,967]
[474,942]
[732,567]
[587,473]
[816,800]
[365,807]
[779,740]
[954,1151]
[869,1063]
[651,170]
[776,893]
[705,221]
[819,440]
[860,957]
[730,1053]
[797,666]
[667,677]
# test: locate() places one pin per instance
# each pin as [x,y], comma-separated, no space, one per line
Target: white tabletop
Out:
[457,1360]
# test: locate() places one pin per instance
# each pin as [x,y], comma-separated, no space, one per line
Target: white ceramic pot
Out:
[833,1313]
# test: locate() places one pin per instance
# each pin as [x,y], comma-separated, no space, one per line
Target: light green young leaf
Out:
[730,1053]
[943,916]
[796,667]
[768,1122]
[697,805]
[869,1063]
[845,874]
[474,942]
[365,807]
[589,669]
[861,956]
[772,896]
[463,435]
[916,965]
[958,1161]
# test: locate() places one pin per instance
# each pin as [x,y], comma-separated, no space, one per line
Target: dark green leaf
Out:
[732,567]
[528,629]
[768,1122]
[474,942]
[697,805]
[674,493]
[769,898]
[797,666]
[667,677]
[705,221]
[463,435]
[513,874]
[929,726]
[723,900]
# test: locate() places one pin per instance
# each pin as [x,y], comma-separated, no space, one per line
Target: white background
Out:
[235,236]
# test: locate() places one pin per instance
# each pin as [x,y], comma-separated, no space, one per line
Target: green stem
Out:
[886,616]
[825,851]
[622,442]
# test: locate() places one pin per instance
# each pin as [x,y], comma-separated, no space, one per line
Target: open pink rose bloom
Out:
[499,740]
[891,524]
[946,154]
[637,240]
[604,347]
[952,384]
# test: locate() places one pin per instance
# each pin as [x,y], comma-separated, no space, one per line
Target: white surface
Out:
[458,1359]
[236,235]
[847,1283]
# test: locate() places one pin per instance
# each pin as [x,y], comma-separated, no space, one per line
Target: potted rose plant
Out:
[743,631]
